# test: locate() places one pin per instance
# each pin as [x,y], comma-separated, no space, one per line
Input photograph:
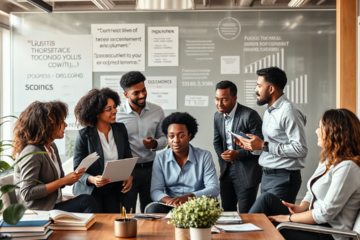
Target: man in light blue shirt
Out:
[143,122]
[284,148]
[182,171]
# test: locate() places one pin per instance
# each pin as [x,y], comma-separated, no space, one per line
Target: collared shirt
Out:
[147,124]
[334,196]
[228,126]
[55,161]
[197,176]
[109,148]
[284,129]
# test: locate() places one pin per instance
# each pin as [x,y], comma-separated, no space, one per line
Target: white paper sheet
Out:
[88,161]
[246,227]
[119,170]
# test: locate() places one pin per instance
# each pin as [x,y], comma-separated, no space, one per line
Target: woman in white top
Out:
[96,112]
[35,130]
[333,196]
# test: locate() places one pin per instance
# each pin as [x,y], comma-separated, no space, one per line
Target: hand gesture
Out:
[73,177]
[127,184]
[253,144]
[294,208]
[149,143]
[98,182]
[229,155]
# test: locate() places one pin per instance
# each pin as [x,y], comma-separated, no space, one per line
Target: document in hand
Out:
[119,170]
[229,217]
[88,161]
[246,227]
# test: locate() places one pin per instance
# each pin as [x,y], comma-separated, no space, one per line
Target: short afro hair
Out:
[131,78]
[92,104]
[274,75]
[227,84]
[181,118]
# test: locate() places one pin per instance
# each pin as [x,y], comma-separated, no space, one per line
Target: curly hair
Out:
[227,84]
[181,118]
[341,133]
[92,104]
[274,75]
[37,124]
[131,78]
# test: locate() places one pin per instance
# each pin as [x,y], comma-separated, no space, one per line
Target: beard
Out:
[135,102]
[263,101]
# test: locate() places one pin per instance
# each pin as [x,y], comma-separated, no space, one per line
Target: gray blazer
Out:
[335,197]
[36,167]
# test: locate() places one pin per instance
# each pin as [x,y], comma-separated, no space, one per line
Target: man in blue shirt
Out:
[143,123]
[182,171]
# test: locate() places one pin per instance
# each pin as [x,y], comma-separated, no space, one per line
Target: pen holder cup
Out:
[125,228]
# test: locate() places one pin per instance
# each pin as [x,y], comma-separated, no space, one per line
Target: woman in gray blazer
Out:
[35,130]
[96,112]
[333,196]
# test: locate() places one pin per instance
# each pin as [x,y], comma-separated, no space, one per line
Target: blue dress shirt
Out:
[197,176]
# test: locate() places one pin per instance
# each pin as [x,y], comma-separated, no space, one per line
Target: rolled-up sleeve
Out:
[345,181]
[157,191]
[294,125]
[210,178]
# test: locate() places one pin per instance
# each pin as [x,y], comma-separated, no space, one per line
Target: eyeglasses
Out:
[180,136]
[222,100]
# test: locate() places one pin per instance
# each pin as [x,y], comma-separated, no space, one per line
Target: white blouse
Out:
[56,163]
[109,148]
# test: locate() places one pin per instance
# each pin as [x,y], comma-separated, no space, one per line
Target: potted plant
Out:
[181,220]
[203,213]
[13,213]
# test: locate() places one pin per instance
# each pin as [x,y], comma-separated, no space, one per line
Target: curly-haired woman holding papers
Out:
[96,112]
[333,196]
[35,130]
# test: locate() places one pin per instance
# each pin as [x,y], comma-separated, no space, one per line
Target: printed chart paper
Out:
[118,47]
[163,46]
[162,91]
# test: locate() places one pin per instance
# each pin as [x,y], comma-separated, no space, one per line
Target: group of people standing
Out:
[273,155]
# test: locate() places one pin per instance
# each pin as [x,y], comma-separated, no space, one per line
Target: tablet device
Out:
[241,134]
[119,170]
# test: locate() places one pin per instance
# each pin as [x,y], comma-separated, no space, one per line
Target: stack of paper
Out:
[246,227]
[229,217]
[28,228]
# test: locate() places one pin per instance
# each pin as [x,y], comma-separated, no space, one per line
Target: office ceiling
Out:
[130,5]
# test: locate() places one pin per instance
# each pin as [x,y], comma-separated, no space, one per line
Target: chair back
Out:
[8,198]
[356,226]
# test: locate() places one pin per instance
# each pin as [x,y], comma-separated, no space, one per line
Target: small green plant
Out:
[202,212]
[13,213]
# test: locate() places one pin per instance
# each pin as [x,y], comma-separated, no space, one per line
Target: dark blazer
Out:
[245,120]
[40,167]
[87,142]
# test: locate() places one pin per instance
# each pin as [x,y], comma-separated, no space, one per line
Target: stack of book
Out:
[28,228]
[229,217]
[71,221]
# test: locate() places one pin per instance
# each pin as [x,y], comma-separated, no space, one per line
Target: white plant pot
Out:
[200,233]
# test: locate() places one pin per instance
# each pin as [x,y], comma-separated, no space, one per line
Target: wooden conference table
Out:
[159,229]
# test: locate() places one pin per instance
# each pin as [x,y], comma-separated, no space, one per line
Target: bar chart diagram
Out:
[295,91]
[276,59]
[250,96]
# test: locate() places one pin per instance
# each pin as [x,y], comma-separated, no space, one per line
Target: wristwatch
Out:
[265,148]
